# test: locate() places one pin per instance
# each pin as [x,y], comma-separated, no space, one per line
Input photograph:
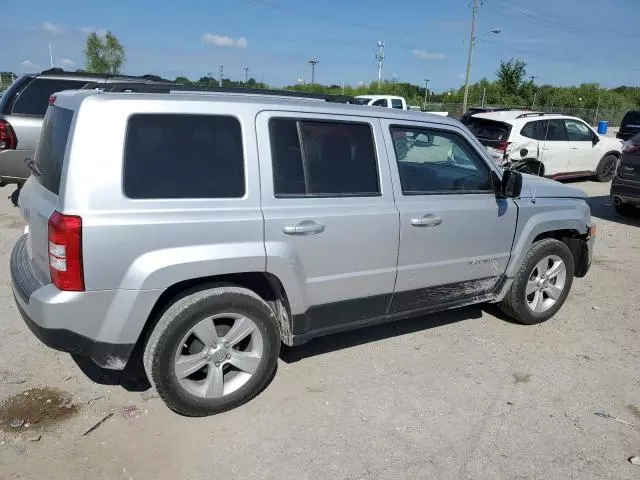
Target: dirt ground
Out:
[460,395]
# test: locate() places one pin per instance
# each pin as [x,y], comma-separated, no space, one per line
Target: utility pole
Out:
[210,75]
[313,62]
[246,75]
[380,58]
[533,105]
[472,39]
[484,95]
[51,53]
[342,87]
[595,117]
[220,75]
[426,90]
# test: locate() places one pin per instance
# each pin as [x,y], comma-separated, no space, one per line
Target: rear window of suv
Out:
[34,98]
[51,147]
[489,132]
[631,118]
[183,156]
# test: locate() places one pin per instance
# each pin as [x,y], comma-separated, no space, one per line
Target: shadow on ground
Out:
[332,343]
[602,207]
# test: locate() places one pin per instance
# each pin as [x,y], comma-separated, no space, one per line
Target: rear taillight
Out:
[631,147]
[8,140]
[502,145]
[65,252]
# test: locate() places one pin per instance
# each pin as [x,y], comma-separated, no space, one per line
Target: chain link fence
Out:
[591,115]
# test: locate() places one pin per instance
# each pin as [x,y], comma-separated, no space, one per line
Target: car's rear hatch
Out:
[39,196]
[629,167]
[492,134]
[630,124]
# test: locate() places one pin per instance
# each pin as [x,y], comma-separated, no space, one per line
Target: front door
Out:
[555,149]
[331,225]
[584,152]
[455,236]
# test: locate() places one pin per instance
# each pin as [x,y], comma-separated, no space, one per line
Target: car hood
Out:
[540,187]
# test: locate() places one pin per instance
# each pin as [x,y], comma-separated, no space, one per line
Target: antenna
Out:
[380,58]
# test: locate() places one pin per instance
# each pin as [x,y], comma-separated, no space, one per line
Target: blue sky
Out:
[563,41]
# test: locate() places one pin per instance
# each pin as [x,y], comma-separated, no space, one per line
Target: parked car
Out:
[475,110]
[206,230]
[625,188]
[552,145]
[22,109]
[387,101]
[630,125]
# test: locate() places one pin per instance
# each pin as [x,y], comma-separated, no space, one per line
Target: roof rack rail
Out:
[61,72]
[155,87]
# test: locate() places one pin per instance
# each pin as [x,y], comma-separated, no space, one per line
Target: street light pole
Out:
[472,40]
[426,90]
[313,62]
[246,75]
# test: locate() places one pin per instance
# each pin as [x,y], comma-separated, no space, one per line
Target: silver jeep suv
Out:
[204,230]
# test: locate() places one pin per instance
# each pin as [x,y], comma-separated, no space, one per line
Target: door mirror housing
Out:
[511,184]
[595,140]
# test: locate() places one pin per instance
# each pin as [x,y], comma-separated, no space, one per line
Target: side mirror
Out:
[511,184]
[595,140]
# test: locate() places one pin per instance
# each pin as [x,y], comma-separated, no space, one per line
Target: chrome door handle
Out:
[306,227]
[426,221]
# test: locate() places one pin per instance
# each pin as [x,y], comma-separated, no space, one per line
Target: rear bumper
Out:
[627,191]
[101,325]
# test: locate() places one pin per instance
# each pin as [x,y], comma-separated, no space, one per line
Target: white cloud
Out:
[29,65]
[101,32]
[67,63]
[427,55]
[224,41]
[51,28]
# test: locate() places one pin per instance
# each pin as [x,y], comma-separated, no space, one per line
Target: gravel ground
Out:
[451,396]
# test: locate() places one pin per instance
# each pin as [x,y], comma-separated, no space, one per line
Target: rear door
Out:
[455,235]
[331,225]
[39,196]
[556,150]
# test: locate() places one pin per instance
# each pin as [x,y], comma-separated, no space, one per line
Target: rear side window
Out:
[396,103]
[51,147]
[34,99]
[556,131]
[631,118]
[535,130]
[380,103]
[183,156]
[334,159]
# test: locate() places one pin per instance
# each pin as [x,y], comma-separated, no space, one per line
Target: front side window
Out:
[312,158]
[183,156]
[437,161]
[396,103]
[578,131]
[380,103]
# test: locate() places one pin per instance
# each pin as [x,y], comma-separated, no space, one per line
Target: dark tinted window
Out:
[51,147]
[435,161]
[488,129]
[556,131]
[362,101]
[380,103]
[34,99]
[536,130]
[322,158]
[578,131]
[631,118]
[396,103]
[183,156]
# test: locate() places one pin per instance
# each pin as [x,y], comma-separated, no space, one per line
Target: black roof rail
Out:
[104,76]
[536,114]
[155,87]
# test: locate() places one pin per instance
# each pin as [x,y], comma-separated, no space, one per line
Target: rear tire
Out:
[606,168]
[527,288]
[213,350]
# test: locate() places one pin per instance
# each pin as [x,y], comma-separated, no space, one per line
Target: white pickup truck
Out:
[389,101]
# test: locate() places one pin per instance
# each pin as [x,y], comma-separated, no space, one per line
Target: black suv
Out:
[630,125]
[625,187]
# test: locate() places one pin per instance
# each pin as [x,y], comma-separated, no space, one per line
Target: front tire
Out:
[606,168]
[542,283]
[213,350]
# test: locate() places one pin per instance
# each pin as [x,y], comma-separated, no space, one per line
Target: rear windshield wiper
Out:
[33,166]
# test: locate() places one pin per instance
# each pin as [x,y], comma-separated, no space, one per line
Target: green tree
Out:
[182,80]
[103,55]
[511,75]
